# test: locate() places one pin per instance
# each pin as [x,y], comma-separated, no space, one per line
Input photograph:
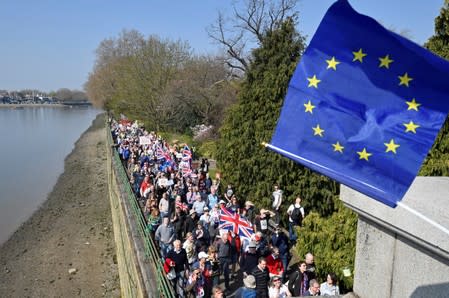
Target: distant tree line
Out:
[65,94]
[62,94]
[160,82]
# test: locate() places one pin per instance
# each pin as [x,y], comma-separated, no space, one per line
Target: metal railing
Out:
[164,287]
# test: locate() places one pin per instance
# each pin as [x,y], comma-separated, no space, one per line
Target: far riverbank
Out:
[34,105]
[30,105]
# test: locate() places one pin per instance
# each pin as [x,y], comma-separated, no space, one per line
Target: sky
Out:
[50,44]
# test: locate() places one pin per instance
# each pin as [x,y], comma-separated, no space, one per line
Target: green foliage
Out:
[177,138]
[437,162]
[332,240]
[159,82]
[244,161]
[207,149]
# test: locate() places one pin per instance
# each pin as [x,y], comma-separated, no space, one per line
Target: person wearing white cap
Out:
[206,218]
[204,267]
[249,259]
[248,289]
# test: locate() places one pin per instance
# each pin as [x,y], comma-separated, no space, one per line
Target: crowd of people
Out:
[183,207]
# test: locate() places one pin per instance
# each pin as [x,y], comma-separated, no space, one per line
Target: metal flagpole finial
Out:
[264,144]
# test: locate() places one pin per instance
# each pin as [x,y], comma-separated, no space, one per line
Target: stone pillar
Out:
[398,253]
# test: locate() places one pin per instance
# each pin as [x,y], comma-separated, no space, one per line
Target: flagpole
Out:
[423,217]
[404,206]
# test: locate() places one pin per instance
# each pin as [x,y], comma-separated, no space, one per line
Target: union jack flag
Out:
[162,154]
[231,221]
[183,206]
[185,168]
[186,153]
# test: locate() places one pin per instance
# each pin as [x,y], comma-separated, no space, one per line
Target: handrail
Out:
[164,286]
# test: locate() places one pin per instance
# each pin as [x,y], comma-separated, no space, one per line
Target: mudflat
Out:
[66,249]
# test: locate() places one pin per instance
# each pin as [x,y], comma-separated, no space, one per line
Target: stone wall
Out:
[399,253]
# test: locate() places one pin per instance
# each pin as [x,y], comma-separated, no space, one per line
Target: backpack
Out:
[296,215]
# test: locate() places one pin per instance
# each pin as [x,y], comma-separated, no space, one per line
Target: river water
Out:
[34,144]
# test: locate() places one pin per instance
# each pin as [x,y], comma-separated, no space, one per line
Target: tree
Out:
[437,161]
[244,162]
[206,89]
[132,75]
[159,82]
[249,24]
[64,94]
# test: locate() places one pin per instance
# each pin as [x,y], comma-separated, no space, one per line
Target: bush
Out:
[332,241]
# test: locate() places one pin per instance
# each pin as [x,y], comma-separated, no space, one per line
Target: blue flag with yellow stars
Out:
[364,105]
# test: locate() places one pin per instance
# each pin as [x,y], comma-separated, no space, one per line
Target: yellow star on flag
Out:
[411,127]
[412,105]
[317,131]
[309,107]
[338,147]
[403,80]
[332,63]
[385,61]
[364,154]
[358,56]
[391,147]
[313,81]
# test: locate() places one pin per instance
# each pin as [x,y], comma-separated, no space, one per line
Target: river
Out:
[34,144]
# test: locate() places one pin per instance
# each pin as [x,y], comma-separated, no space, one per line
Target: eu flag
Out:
[364,105]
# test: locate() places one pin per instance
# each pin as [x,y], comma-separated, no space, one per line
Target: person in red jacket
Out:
[274,263]
[168,264]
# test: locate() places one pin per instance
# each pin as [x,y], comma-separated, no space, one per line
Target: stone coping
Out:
[427,195]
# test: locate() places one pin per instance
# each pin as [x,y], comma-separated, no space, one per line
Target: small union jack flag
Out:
[186,153]
[231,221]
[183,206]
[162,154]
[185,168]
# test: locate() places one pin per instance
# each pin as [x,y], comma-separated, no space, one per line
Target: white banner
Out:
[145,140]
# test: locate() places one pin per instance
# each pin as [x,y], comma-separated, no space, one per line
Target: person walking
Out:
[280,240]
[261,275]
[295,216]
[224,256]
[277,201]
[298,282]
[165,234]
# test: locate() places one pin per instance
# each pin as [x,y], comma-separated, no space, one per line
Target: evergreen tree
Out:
[245,163]
[437,162]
